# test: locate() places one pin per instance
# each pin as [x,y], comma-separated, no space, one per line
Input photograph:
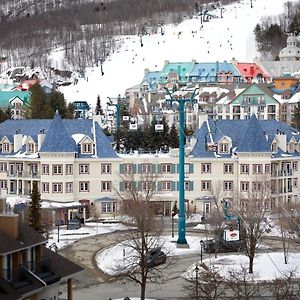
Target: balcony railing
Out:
[282,173]
[23,174]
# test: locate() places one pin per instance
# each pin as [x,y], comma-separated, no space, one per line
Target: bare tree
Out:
[242,284]
[143,235]
[252,211]
[286,287]
[207,284]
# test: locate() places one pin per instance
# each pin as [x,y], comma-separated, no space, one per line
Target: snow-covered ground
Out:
[67,237]
[267,266]
[219,39]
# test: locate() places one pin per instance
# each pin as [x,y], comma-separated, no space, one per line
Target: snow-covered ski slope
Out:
[219,39]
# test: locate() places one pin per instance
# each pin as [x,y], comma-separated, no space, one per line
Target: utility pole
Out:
[118,105]
[181,217]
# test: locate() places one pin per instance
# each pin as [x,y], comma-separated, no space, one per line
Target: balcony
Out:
[281,173]
[23,174]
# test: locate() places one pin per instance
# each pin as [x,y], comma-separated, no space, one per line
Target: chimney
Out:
[9,223]
[17,140]
[203,117]
[41,137]
[281,140]
[146,71]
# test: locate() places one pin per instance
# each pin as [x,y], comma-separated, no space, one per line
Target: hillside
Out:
[220,39]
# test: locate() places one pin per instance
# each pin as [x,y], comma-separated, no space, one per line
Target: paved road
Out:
[94,284]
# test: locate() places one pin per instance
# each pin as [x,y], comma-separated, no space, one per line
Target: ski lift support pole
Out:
[118,105]
[181,217]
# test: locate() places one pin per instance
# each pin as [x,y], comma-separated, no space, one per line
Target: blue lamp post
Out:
[118,105]
[181,216]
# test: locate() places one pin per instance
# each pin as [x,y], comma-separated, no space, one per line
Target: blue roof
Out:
[254,139]
[250,135]
[58,134]
[57,139]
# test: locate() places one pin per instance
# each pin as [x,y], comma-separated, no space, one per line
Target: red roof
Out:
[26,84]
[250,70]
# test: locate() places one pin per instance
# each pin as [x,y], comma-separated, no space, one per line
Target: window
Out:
[166,168]
[223,148]
[128,185]
[34,170]
[267,168]
[146,168]
[256,186]
[84,169]
[105,186]
[257,169]
[108,207]
[5,147]
[8,267]
[45,169]
[295,166]
[3,184]
[30,147]
[274,147]
[295,182]
[207,207]
[128,168]
[228,185]
[244,169]
[228,168]
[166,185]
[69,169]
[86,148]
[3,167]
[105,168]
[57,187]
[84,186]
[146,185]
[205,185]
[244,186]
[57,169]
[187,168]
[69,187]
[206,168]
[45,187]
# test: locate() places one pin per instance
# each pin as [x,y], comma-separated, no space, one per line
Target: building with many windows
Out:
[72,160]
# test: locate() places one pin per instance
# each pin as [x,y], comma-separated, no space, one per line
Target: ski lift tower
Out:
[117,102]
[181,242]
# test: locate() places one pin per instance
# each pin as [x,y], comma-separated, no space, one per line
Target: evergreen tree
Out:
[5,115]
[70,111]
[38,107]
[99,110]
[35,209]
[173,140]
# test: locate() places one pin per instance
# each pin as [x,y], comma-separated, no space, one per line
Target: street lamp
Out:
[201,249]
[197,283]
[173,223]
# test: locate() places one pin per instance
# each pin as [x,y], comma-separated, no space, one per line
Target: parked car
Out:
[155,257]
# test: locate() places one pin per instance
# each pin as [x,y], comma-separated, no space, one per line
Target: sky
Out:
[219,39]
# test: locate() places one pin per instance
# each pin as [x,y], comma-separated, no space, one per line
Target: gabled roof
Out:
[250,70]
[7,96]
[57,139]
[182,69]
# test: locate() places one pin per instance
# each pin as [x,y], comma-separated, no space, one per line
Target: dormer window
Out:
[87,148]
[224,148]
[5,147]
[30,148]
[274,147]
[291,147]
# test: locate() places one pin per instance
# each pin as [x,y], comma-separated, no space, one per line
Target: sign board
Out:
[159,127]
[73,224]
[133,126]
[110,118]
[125,118]
[231,235]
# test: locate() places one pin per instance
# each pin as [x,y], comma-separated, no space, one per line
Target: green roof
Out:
[7,96]
[183,69]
